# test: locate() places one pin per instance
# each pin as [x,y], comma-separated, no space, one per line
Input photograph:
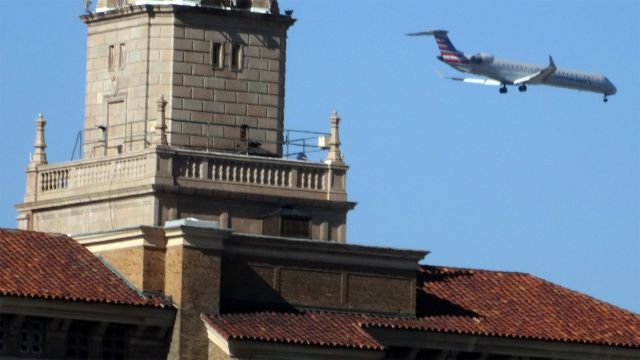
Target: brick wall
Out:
[193,280]
[129,263]
[281,283]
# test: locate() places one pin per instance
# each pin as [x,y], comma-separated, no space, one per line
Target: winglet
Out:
[539,76]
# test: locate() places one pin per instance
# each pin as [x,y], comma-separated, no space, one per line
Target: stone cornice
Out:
[152,10]
[323,251]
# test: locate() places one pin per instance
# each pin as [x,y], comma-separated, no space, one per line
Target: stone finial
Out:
[160,137]
[275,9]
[334,156]
[39,155]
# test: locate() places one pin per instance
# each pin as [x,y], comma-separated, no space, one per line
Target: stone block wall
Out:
[221,72]
[95,216]
[228,83]
[128,68]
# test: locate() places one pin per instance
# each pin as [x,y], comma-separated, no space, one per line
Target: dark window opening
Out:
[396,352]
[298,227]
[78,341]
[122,59]
[32,337]
[428,354]
[236,57]
[112,57]
[468,356]
[3,333]
[217,55]
[114,343]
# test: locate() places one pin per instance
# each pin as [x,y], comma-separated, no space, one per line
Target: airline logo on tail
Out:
[448,52]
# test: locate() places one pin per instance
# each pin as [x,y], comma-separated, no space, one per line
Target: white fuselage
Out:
[507,71]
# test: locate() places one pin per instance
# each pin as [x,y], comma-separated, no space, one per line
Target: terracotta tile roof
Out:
[516,305]
[305,328]
[54,266]
[463,301]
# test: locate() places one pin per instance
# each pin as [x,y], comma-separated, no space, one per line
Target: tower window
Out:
[217,55]
[112,57]
[294,226]
[236,57]
[122,56]
[32,337]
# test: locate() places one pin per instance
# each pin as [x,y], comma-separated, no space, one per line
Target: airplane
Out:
[499,72]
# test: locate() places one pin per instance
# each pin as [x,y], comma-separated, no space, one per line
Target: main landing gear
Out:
[604,98]
[521,88]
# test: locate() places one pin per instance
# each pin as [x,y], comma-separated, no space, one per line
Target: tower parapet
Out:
[260,6]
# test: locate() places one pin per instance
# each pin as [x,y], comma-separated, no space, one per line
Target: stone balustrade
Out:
[252,171]
[189,169]
[83,173]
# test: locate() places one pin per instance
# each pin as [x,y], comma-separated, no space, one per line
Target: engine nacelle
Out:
[482,58]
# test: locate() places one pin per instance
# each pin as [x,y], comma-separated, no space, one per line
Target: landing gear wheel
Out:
[605,98]
[503,89]
[522,88]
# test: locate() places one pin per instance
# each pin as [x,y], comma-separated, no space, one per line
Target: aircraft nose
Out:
[611,89]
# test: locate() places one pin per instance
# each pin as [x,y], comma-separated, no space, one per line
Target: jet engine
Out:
[482,58]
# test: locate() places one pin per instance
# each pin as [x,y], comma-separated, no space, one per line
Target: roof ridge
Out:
[447,267]
[17,231]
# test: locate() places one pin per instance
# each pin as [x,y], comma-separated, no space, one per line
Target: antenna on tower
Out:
[87,5]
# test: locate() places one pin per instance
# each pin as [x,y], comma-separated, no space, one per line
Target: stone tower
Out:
[184,118]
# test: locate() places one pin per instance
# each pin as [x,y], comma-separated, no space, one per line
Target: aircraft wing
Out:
[538,76]
[490,82]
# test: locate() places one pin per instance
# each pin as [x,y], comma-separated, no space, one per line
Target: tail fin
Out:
[448,52]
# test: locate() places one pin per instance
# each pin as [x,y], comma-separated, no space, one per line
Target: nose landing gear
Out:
[522,88]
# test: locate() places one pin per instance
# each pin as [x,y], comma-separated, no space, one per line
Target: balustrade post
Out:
[293,177]
[204,169]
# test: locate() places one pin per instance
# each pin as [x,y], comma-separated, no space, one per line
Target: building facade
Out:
[184,190]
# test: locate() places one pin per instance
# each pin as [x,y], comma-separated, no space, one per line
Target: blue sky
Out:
[546,182]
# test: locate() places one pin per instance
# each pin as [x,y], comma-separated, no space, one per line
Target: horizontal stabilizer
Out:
[429,33]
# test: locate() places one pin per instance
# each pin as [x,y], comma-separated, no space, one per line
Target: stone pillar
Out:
[160,137]
[192,279]
[39,156]
[334,156]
